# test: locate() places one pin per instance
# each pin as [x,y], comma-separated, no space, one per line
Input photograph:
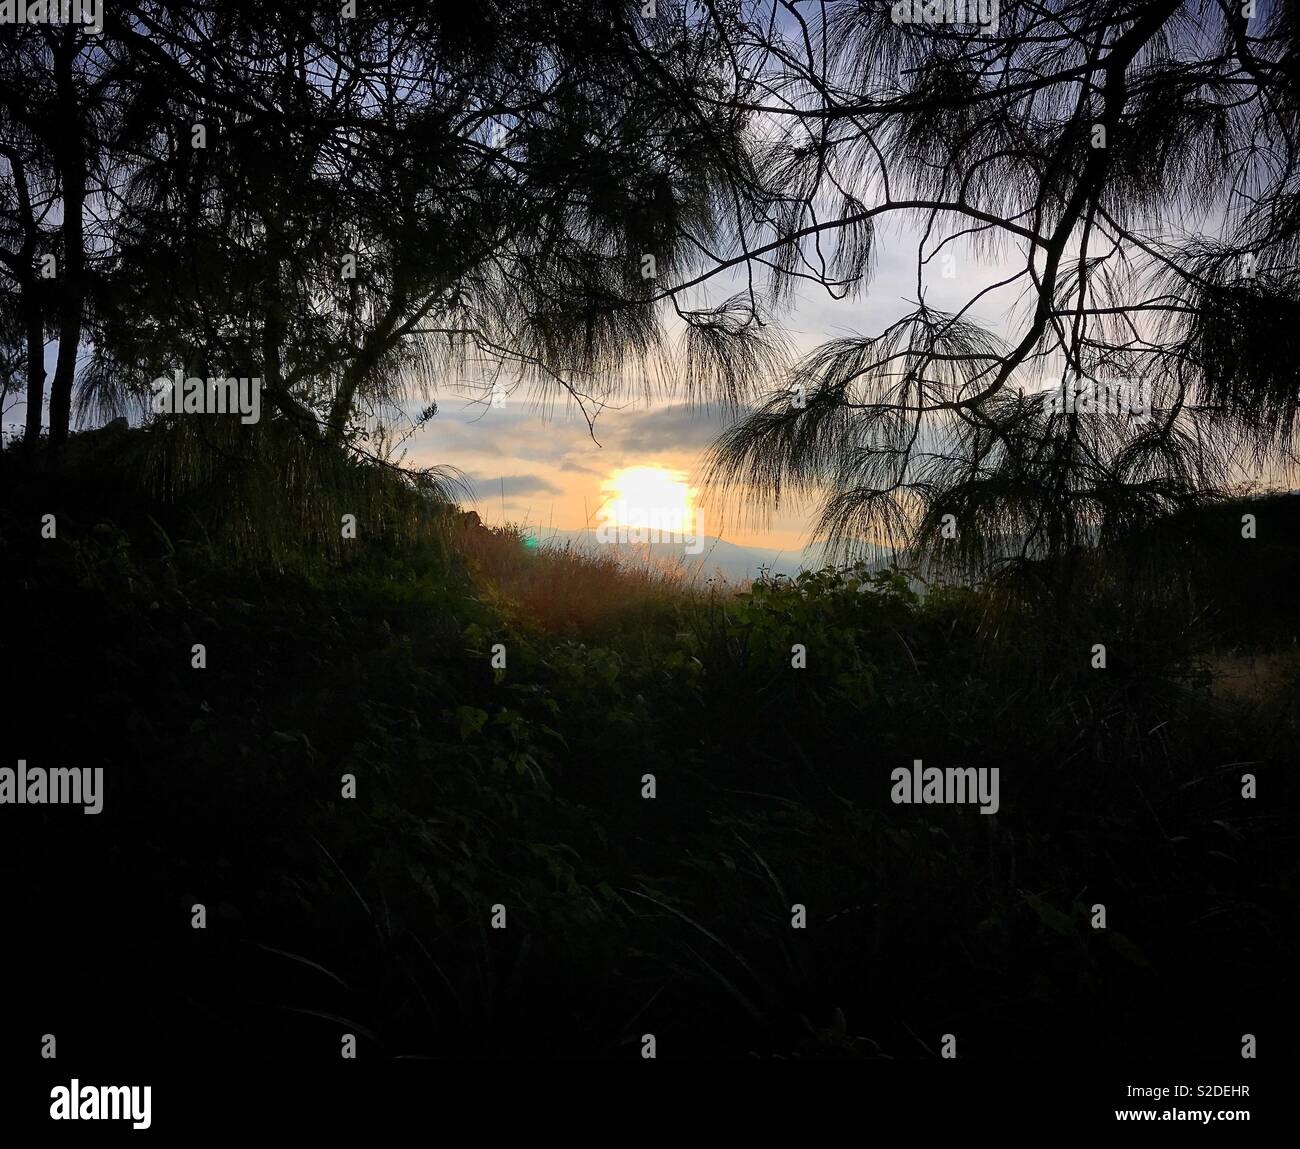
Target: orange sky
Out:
[554,471]
[555,475]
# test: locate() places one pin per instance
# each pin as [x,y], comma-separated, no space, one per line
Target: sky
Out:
[544,470]
[539,466]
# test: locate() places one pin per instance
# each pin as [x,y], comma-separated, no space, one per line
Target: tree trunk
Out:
[72,172]
[22,268]
[35,332]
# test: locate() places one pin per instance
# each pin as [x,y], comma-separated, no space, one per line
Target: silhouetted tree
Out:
[1111,187]
[379,200]
[24,204]
[60,94]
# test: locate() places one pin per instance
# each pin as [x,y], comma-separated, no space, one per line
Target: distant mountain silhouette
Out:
[735,564]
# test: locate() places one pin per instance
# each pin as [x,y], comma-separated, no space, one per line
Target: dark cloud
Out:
[680,427]
[513,485]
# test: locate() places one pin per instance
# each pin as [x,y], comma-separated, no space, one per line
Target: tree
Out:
[59,94]
[349,208]
[1123,174]
[23,206]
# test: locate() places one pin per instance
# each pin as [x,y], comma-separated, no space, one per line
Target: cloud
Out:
[568,466]
[680,427]
[513,485]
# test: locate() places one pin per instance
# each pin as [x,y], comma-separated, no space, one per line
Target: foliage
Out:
[522,787]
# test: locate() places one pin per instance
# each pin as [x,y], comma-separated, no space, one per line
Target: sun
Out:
[638,496]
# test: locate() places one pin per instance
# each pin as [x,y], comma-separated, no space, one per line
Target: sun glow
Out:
[635,496]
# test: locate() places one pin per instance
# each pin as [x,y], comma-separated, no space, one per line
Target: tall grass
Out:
[566,589]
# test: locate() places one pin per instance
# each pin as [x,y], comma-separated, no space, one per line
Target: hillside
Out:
[524,786]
